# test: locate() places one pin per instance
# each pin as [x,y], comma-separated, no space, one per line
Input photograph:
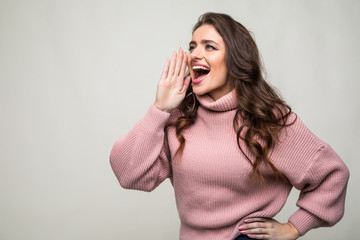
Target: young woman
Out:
[232,148]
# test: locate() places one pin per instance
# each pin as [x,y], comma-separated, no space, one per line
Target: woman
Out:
[232,148]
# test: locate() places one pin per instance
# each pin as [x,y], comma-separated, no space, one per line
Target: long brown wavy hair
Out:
[261,111]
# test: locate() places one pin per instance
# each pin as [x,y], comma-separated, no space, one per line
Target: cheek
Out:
[224,67]
[223,63]
[217,60]
[221,69]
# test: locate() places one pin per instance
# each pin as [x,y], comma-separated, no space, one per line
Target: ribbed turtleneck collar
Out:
[225,103]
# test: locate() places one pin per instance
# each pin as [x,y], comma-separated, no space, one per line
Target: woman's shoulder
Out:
[297,133]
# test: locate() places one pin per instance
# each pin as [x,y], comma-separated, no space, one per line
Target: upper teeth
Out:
[201,67]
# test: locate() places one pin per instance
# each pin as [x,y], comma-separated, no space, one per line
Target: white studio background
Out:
[76,75]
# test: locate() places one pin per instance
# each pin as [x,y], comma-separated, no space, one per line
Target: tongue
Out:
[200,74]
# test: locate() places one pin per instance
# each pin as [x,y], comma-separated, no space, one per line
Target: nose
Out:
[196,54]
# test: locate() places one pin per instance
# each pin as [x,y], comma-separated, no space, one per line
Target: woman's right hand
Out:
[172,86]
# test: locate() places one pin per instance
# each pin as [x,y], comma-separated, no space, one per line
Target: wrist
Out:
[293,231]
[161,108]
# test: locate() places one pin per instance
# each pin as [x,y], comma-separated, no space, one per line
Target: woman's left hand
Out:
[267,228]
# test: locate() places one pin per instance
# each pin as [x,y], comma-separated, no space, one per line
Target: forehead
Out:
[206,32]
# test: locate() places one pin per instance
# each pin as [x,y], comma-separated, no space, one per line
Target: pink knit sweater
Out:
[213,189]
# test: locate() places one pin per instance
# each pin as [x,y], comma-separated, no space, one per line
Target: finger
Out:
[253,225]
[187,81]
[165,70]
[259,236]
[183,66]
[258,230]
[179,62]
[180,80]
[186,84]
[172,65]
[249,220]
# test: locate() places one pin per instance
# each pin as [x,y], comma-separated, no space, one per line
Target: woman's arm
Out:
[314,168]
[323,189]
[141,159]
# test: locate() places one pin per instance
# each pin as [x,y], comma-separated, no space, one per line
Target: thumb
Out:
[186,84]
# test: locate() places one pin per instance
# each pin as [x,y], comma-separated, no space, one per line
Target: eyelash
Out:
[207,47]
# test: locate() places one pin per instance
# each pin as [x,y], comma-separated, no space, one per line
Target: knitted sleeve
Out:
[140,159]
[314,168]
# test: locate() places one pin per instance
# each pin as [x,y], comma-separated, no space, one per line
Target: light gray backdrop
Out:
[76,75]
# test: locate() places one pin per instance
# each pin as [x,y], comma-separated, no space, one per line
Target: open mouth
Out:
[200,71]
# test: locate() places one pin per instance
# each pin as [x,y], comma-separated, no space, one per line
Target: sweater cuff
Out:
[156,119]
[304,221]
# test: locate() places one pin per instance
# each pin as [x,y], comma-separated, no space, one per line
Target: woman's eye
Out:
[210,47]
[191,48]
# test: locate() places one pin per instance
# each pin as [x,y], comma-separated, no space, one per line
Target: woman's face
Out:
[207,64]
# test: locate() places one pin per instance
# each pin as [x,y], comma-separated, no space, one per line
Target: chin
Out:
[198,91]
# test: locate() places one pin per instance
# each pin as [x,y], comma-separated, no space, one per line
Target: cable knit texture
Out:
[212,179]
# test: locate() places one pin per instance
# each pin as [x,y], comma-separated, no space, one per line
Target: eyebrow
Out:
[204,42]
